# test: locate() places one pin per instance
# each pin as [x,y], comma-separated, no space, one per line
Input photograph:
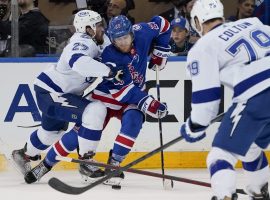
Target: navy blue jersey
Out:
[130,90]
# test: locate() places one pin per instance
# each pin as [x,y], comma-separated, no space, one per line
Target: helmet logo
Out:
[117,26]
[212,5]
[82,14]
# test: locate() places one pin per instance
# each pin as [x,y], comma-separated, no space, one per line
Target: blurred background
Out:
[35,28]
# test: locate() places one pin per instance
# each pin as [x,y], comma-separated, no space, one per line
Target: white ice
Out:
[134,187]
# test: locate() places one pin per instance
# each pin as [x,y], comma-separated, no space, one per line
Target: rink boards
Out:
[18,108]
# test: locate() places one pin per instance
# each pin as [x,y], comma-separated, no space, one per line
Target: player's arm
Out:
[161,31]
[206,86]
[206,93]
[81,59]
[131,94]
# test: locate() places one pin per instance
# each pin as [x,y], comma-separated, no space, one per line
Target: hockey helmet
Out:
[86,18]
[119,26]
[206,10]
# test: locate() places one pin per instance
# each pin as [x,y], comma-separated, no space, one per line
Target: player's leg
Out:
[256,170]
[67,144]
[241,126]
[255,163]
[131,125]
[223,176]
[84,136]
[56,112]
[39,140]
[89,135]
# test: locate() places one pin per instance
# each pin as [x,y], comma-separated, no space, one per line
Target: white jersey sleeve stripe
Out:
[207,95]
[74,58]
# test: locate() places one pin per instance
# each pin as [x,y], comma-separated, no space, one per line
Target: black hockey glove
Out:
[117,72]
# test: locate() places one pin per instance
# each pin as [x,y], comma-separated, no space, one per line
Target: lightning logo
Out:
[62,100]
[236,115]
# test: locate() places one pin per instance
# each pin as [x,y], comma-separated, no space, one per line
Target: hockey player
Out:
[59,89]
[124,99]
[130,47]
[238,56]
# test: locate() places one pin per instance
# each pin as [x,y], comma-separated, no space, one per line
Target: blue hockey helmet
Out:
[119,26]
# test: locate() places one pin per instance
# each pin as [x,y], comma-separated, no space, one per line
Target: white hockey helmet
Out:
[206,10]
[86,18]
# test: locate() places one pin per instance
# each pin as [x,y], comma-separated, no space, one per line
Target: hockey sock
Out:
[40,140]
[88,140]
[34,145]
[67,144]
[223,178]
[122,146]
[221,164]
[131,125]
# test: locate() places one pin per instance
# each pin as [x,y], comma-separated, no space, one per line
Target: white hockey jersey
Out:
[235,54]
[77,68]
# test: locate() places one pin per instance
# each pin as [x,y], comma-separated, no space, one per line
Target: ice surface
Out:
[134,187]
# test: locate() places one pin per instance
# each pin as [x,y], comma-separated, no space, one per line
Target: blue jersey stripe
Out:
[46,79]
[220,165]
[89,134]
[243,86]
[74,58]
[36,142]
[208,95]
[260,163]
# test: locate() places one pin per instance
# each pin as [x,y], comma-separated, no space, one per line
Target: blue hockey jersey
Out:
[130,90]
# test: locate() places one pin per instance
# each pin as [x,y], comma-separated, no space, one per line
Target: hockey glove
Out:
[117,72]
[192,132]
[152,107]
[159,58]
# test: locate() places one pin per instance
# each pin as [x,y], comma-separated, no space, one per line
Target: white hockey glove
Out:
[192,132]
[159,58]
[152,107]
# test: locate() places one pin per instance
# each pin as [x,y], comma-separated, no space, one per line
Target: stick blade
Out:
[60,186]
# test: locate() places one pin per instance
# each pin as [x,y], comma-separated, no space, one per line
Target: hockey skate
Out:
[22,161]
[89,172]
[36,173]
[234,197]
[264,194]
[116,180]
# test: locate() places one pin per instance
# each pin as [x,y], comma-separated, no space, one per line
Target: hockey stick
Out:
[142,172]
[32,126]
[166,184]
[62,187]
